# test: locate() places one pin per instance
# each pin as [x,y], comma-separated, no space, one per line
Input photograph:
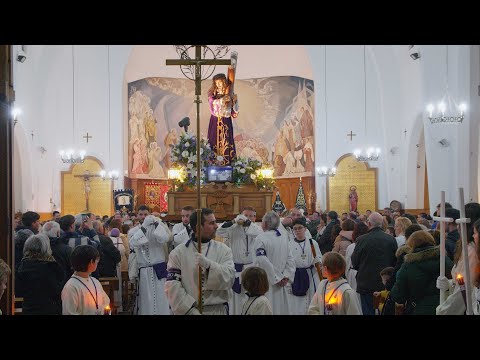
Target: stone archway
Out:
[100,199]
[352,172]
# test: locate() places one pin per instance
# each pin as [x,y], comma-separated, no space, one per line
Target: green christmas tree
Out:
[300,202]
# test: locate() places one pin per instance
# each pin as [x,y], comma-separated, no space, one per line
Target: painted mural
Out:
[275,123]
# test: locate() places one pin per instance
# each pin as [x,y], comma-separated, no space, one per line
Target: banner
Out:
[156,196]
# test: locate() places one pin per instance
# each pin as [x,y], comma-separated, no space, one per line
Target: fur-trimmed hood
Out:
[403,250]
[423,253]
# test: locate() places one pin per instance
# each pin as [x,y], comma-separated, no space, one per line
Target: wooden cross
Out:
[351,135]
[87,137]
[86,178]
[198,62]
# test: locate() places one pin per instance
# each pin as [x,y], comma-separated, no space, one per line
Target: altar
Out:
[225,199]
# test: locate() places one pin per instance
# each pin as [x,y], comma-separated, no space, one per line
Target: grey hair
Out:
[51,229]
[375,220]
[37,246]
[271,220]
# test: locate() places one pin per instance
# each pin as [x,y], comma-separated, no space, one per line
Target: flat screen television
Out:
[219,174]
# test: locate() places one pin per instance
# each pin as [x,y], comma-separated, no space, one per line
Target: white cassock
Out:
[181,287]
[180,235]
[132,256]
[289,231]
[257,305]
[273,255]
[305,275]
[455,305]
[339,294]
[242,242]
[152,253]
[350,272]
[83,296]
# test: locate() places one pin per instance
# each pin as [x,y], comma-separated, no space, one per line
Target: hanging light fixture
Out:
[109,174]
[71,156]
[369,153]
[325,171]
[447,110]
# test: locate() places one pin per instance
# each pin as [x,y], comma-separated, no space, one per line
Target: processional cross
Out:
[86,178]
[198,62]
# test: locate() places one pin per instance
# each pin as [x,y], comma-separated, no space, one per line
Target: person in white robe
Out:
[240,235]
[273,254]
[181,231]
[334,295]
[82,293]
[150,245]
[306,279]
[218,271]
[255,281]
[286,224]
[142,212]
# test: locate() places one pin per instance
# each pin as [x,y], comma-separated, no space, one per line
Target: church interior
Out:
[353,129]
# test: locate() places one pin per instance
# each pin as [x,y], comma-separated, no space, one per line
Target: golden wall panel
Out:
[352,172]
[73,190]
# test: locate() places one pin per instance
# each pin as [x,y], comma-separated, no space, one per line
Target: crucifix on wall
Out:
[351,135]
[86,179]
[87,137]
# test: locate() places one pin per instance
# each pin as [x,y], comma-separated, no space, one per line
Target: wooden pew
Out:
[110,284]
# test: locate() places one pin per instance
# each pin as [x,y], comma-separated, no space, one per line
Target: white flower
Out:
[187,144]
[185,154]
[190,165]
[242,171]
[220,158]
[174,158]
[253,177]
[201,151]
[237,168]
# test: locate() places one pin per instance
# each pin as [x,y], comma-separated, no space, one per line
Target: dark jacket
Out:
[21,236]
[451,242]
[325,242]
[74,239]
[373,252]
[107,266]
[40,283]
[417,280]
[61,252]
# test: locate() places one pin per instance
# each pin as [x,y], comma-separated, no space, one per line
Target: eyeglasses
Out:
[298,228]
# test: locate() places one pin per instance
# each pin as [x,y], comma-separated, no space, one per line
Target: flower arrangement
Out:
[184,158]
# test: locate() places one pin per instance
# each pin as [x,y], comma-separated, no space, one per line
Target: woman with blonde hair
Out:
[401,224]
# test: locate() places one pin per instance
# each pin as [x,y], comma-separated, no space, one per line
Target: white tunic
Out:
[180,237]
[83,296]
[151,249]
[455,305]
[257,305]
[181,287]
[338,293]
[350,272]
[302,253]
[273,254]
[242,242]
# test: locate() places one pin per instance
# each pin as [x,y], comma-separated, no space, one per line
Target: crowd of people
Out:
[321,264]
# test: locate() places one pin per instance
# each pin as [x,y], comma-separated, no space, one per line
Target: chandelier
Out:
[370,154]
[109,175]
[72,157]
[447,109]
[325,171]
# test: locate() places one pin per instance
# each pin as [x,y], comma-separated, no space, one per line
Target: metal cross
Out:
[351,135]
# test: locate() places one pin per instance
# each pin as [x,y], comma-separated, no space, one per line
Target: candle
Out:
[460,280]
[107,310]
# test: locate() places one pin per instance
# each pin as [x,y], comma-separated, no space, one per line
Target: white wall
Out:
[398,90]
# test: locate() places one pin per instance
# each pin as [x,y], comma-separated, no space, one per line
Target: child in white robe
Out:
[83,294]
[334,296]
[255,282]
